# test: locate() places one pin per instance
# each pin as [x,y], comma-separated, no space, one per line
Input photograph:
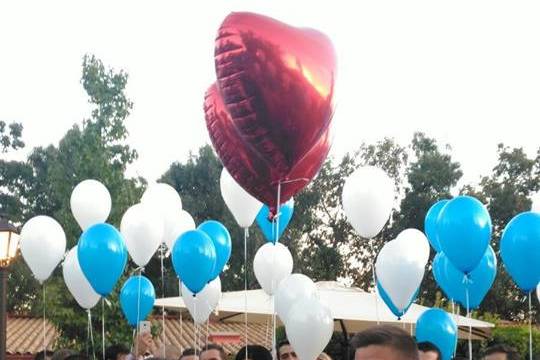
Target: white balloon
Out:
[43,244]
[309,327]
[368,196]
[242,205]
[201,306]
[90,203]
[164,200]
[292,288]
[400,271]
[271,265]
[536,203]
[142,231]
[77,283]
[177,226]
[417,241]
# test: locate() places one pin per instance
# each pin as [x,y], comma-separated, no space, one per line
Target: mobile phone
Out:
[145,327]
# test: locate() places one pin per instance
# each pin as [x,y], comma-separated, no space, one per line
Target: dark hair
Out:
[62,354]
[187,352]
[511,353]
[215,347]
[254,352]
[280,344]
[77,357]
[41,355]
[113,351]
[390,336]
[426,346]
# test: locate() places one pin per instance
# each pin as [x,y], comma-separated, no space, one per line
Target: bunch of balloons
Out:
[198,257]
[93,267]
[465,266]
[400,269]
[308,322]
[273,261]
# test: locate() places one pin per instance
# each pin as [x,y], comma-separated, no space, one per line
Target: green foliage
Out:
[95,151]
[197,182]
[13,139]
[429,177]
[323,244]
[506,192]
[518,338]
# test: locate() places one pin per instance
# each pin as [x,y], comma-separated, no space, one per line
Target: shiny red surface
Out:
[269,112]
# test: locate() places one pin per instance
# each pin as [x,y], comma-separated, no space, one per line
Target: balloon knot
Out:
[272,213]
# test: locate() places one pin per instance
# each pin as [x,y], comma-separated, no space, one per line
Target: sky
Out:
[464,72]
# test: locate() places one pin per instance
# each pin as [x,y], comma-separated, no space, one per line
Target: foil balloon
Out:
[269,112]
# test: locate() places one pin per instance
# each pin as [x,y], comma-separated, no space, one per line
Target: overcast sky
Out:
[465,72]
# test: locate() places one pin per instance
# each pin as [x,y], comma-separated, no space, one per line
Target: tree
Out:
[96,150]
[325,245]
[430,177]
[197,182]
[13,139]
[506,192]
[12,173]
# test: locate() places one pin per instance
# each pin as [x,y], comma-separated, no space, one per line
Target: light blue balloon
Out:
[194,259]
[520,250]
[137,299]
[103,257]
[455,285]
[222,242]
[268,227]
[430,224]
[464,231]
[437,327]
[384,296]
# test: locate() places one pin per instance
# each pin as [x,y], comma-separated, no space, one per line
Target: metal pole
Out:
[3,315]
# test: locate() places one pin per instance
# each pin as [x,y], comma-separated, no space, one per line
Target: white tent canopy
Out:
[352,308]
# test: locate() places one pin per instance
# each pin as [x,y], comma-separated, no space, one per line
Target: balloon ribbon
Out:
[103,327]
[163,296]
[530,329]
[246,235]
[44,320]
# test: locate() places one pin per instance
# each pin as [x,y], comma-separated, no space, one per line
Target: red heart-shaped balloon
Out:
[270,110]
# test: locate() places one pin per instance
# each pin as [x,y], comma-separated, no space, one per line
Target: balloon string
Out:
[267,331]
[246,235]
[181,323]
[103,327]
[207,326]
[273,323]
[195,324]
[277,212]
[88,336]
[455,311]
[133,340]
[91,335]
[163,295]
[376,293]
[138,313]
[44,321]
[276,240]
[469,321]
[530,329]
